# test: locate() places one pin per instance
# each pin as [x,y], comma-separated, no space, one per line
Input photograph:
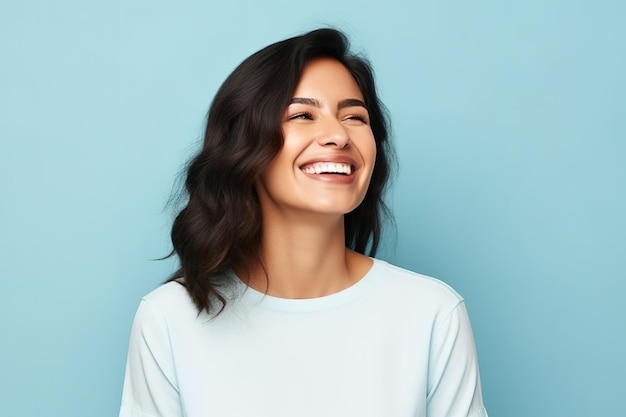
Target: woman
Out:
[276,311]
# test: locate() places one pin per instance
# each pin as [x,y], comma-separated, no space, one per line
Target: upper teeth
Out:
[328,167]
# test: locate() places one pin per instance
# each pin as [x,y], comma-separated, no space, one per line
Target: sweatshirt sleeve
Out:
[150,385]
[453,377]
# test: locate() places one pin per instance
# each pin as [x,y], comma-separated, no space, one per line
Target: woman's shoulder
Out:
[170,298]
[400,282]
[167,292]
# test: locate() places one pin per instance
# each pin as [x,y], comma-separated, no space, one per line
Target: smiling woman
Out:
[328,151]
[276,309]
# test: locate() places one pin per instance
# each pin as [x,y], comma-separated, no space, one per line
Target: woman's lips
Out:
[336,170]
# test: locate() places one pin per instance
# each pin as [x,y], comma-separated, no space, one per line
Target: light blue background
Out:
[509,119]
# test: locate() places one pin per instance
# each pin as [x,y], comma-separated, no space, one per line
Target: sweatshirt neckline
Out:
[302,305]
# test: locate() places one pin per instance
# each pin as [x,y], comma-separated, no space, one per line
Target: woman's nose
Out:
[334,134]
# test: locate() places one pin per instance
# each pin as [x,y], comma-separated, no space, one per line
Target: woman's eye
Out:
[356,118]
[301,116]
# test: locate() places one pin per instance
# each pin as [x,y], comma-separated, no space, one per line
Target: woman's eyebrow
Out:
[349,102]
[307,101]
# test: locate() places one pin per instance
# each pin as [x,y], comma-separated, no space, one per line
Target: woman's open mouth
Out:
[339,168]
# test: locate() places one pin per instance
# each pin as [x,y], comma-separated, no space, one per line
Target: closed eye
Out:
[356,118]
[302,116]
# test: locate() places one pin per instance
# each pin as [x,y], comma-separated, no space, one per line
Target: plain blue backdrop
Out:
[510,124]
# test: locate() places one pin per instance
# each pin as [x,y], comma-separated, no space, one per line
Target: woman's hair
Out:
[220,226]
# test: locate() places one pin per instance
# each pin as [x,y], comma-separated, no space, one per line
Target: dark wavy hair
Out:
[220,226]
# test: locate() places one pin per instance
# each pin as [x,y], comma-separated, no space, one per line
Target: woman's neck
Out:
[306,259]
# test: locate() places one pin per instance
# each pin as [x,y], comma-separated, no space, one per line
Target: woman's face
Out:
[328,154]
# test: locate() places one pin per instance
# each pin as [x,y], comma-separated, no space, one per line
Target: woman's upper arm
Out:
[150,385]
[453,377]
